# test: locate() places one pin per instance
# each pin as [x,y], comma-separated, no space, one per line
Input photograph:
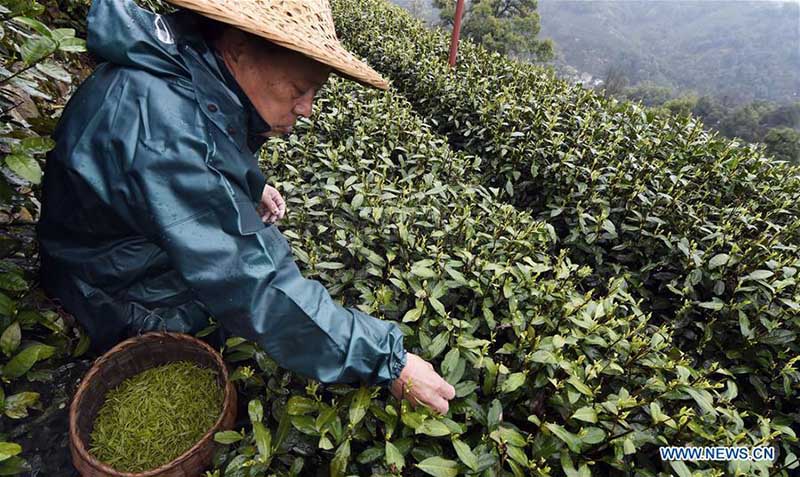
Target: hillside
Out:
[743,50]
[746,50]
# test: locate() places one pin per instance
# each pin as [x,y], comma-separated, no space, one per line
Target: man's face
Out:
[280,84]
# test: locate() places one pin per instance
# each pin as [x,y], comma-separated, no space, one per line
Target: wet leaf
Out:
[16,406]
[25,359]
[24,166]
[10,339]
[36,48]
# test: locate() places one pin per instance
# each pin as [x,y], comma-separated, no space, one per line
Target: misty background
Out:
[733,64]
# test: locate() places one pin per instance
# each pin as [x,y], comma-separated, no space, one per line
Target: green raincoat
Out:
[149,217]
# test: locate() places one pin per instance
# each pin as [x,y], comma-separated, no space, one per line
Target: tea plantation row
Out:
[551,378]
[705,229]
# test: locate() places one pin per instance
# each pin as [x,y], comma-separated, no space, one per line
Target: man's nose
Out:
[304,106]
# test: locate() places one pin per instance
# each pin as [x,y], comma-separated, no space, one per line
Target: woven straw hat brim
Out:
[303,26]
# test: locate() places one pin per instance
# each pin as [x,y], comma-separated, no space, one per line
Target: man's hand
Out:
[272,207]
[419,383]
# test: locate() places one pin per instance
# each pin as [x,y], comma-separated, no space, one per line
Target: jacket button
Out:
[231,130]
[212,108]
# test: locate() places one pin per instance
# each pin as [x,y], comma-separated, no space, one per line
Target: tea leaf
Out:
[36,48]
[25,359]
[9,449]
[718,260]
[465,454]
[586,413]
[16,405]
[25,166]
[255,410]
[433,428]
[227,437]
[759,275]
[572,441]
[299,405]
[263,440]
[340,460]
[394,457]
[438,467]
[358,408]
[10,339]
[513,382]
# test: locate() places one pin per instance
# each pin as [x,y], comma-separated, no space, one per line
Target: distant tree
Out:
[506,26]
[776,126]
[615,81]
[710,110]
[784,144]
[787,115]
[649,93]
[745,122]
[682,106]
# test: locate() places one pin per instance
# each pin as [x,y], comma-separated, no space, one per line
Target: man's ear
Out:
[234,43]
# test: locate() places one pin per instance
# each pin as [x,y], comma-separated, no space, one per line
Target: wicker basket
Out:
[131,357]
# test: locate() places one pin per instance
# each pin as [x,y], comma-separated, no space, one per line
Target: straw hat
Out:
[305,26]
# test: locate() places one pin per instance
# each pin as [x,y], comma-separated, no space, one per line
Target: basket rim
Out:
[121,347]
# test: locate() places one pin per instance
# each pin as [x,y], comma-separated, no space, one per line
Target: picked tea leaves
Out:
[155,416]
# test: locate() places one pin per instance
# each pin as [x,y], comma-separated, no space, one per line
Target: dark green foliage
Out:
[706,229]
[550,376]
[34,78]
[784,144]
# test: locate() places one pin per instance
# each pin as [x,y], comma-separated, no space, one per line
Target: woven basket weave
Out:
[131,357]
[305,26]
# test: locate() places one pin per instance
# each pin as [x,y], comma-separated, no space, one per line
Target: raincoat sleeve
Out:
[242,270]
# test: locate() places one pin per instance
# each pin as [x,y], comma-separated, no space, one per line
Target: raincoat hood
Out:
[170,46]
[125,34]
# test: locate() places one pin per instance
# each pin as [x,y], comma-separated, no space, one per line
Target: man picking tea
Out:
[155,214]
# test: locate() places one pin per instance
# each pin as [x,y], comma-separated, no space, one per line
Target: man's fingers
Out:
[440,405]
[446,390]
[280,204]
[270,204]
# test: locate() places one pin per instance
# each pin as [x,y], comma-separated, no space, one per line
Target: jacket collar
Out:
[218,98]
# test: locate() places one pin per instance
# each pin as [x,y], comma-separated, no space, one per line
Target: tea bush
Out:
[34,335]
[706,228]
[550,379]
